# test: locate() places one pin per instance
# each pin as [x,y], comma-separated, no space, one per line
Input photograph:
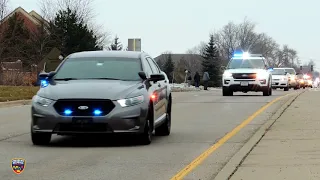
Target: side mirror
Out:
[45,76]
[142,75]
[285,73]
[157,77]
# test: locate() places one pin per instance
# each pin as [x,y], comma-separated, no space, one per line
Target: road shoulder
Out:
[233,164]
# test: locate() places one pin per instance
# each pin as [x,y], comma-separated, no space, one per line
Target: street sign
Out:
[134,44]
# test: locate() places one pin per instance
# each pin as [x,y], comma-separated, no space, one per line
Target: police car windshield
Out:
[291,71]
[278,72]
[116,68]
[246,63]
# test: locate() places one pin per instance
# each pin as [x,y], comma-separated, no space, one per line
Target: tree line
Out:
[232,37]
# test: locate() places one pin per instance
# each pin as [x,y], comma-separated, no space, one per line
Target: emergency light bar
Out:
[246,55]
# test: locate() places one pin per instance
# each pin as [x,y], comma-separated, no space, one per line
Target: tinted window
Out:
[278,72]
[105,67]
[246,63]
[153,66]
[147,68]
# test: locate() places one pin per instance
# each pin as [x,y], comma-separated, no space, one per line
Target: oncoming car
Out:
[280,79]
[102,92]
[293,80]
[247,72]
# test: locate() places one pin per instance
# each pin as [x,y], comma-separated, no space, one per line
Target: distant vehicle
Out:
[293,80]
[247,72]
[307,80]
[280,79]
[98,92]
[302,82]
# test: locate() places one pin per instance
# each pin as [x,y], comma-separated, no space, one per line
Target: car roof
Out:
[124,54]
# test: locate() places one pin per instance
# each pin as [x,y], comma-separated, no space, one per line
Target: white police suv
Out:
[247,72]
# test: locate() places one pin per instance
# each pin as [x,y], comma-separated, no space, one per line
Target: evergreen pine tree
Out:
[211,62]
[168,67]
[73,34]
[116,45]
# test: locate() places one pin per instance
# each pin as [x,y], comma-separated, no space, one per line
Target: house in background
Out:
[32,20]
[191,62]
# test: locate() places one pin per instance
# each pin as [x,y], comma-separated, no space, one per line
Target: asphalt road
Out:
[199,119]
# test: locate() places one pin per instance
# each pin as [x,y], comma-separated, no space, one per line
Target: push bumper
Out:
[119,120]
[245,84]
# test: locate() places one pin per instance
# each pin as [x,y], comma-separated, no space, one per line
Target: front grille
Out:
[105,106]
[94,127]
[244,75]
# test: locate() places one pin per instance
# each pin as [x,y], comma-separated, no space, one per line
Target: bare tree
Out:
[3,8]
[84,11]
[199,49]
[243,37]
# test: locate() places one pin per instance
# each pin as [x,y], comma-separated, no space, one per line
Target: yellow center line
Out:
[197,161]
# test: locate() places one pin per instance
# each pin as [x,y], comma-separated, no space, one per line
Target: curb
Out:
[235,162]
[14,103]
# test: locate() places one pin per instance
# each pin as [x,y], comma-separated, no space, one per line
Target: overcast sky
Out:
[178,25]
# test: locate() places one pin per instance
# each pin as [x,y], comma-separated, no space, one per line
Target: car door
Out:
[162,91]
[152,87]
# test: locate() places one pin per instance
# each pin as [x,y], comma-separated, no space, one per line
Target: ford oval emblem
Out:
[83,107]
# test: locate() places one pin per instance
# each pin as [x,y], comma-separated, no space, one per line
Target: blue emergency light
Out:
[67,112]
[241,54]
[44,83]
[97,112]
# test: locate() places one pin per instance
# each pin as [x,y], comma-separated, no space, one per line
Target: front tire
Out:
[146,137]
[226,92]
[267,91]
[40,138]
[165,128]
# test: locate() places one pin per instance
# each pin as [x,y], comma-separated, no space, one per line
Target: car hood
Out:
[89,89]
[243,70]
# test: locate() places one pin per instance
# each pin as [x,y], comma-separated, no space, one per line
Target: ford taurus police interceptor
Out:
[247,72]
[280,79]
[98,92]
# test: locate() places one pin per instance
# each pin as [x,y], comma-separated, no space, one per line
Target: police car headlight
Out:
[131,101]
[227,74]
[42,101]
[262,75]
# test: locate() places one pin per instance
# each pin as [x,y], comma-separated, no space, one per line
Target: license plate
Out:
[244,83]
[81,120]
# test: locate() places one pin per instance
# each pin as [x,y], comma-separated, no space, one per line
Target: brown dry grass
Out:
[12,93]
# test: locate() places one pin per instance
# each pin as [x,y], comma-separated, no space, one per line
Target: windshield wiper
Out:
[65,79]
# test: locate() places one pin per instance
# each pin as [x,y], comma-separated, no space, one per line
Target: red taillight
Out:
[153,96]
